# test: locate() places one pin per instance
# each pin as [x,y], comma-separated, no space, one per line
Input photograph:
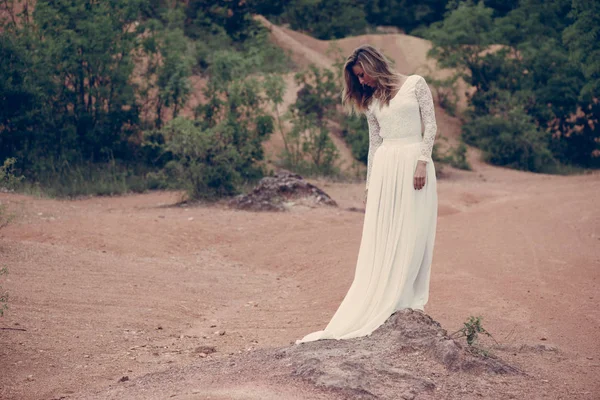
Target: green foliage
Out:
[326,19]
[404,14]
[446,92]
[310,149]
[206,27]
[513,141]
[459,39]
[169,57]
[529,91]
[220,151]
[72,64]
[355,131]
[237,101]
[458,157]
[204,161]
[234,18]
[86,51]
[308,145]
[455,156]
[581,38]
[80,81]
[8,181]
[318,95]
[62,179]
[341,18]
[275,89]
[471,330]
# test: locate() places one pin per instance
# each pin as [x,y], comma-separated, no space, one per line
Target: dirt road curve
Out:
[105,288]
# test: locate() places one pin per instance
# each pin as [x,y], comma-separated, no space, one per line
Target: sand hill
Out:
[408,53]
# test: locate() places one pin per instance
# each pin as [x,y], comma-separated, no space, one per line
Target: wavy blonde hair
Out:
[356,97]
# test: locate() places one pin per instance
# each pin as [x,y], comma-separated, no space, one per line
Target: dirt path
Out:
[124,286]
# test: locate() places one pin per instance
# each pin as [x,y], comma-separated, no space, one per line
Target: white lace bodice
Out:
[412,105]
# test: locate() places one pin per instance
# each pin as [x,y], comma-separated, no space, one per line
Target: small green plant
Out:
[7,178]
[457,157]
[446,91]
[471,330]
[454,156]
[308,145]
[3,294]
[8,181]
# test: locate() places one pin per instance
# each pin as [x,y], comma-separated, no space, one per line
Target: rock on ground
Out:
[274,193]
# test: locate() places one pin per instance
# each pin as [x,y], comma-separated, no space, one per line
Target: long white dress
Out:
[396,249]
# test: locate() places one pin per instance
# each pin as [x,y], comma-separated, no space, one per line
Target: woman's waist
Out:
[395,140]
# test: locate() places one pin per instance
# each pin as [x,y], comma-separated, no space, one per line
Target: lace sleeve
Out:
[427,116]
[374,141]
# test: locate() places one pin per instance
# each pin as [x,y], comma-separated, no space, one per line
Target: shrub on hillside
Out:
[204,161]
[309,148]
[513,140]
[355,131]
[7,182]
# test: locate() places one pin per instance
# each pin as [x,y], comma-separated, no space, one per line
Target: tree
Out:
[236,101]
[517,62]
[310,114]
[582,40]
[326,19]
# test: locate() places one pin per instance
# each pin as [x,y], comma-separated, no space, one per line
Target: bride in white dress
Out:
[396,249]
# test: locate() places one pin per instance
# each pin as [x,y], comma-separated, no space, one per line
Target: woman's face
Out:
[363,78]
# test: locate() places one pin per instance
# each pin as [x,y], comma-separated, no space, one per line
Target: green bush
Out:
[458,157]
[355,132]
[69,180]
[513,141]
[446,92]
[81,81]
[204,161]
[329,19]
[8,181]
[533,104]
[471,330]
[308,145]
[455,156]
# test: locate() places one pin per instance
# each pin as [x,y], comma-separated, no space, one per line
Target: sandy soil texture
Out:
[107,288]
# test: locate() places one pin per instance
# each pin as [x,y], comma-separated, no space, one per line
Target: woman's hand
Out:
[420,173]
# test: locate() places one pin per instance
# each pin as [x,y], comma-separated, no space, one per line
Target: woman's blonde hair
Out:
[356,97]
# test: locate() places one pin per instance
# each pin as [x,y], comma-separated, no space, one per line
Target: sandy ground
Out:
[103,288]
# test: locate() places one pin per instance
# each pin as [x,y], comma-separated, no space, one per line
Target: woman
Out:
[396,249]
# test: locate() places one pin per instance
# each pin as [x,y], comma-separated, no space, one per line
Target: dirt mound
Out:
[410,356]
[279,192]
[400,352]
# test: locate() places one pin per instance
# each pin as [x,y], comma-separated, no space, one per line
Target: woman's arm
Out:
[427,116]
[374,141]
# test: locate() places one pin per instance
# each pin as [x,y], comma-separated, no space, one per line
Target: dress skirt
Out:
[396,249]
